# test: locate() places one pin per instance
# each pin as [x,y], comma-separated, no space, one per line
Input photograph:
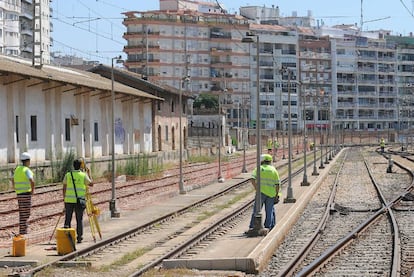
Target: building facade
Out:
[51,111]
[332,75]
[169,118]
[25,29]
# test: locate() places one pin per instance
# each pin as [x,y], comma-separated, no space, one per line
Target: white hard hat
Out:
[24,156]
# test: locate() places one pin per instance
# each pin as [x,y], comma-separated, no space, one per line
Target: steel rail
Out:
[300,256]
[129,233]
[386,209]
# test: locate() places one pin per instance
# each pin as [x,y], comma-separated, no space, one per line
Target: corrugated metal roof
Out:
[67,75]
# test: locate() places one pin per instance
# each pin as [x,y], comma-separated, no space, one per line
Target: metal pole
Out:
[289,197]
[283,138]
[282,123]
[331,134]
[244,169]
[321,166]
[315,171]
[305,145]
[258,215]
[181,182]
[220,177]
[327,135]
[112,203]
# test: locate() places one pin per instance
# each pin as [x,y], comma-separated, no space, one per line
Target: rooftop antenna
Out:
[362,17]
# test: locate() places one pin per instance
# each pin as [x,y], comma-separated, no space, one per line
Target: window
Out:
[166,133]
[33,127]
[159,105]
[17,128]
[95,131]
[84,130]
[67,129]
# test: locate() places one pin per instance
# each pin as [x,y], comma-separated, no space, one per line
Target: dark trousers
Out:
[69,208]
[24,200]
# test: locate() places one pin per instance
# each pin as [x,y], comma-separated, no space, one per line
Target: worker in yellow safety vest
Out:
[23,183]
[74,189]
[269,188]
[269,146]
[382,145]
[311,146]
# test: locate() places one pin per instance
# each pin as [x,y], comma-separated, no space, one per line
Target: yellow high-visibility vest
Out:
[269,178]
[21,182]
[70,195]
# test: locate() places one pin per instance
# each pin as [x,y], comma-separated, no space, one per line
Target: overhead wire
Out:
[90,31]
[408,10]
[80,50]
[96,31]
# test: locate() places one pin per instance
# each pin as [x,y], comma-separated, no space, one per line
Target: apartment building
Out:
[405,80]
[325,76]
[315,78]
[25,28]
[169,46]
[278,70]
[204,43]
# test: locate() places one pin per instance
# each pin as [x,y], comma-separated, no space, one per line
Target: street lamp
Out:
[332,135]
[327,133]
[257,229]
[220,127]
[112,203]
[321,93]
[181,182]
[315,171]
[281,121]
[244,169]
[305,145]
[289,197]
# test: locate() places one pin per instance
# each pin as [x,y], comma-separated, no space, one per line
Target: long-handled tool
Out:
[91,210]
[93,213]
[54,229]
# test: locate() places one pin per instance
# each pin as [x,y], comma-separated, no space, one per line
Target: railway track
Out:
[350,227]
[47,205]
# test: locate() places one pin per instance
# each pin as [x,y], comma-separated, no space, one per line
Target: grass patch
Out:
[178,272]
[201,159]
[127,258]
[208,214]
[4,184]
[62,165]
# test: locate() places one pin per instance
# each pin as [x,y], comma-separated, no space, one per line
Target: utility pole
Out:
[362,17]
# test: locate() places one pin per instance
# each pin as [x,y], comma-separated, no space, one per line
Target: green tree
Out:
[207,101]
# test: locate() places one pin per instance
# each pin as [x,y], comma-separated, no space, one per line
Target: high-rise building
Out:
[25,29]
[167,46]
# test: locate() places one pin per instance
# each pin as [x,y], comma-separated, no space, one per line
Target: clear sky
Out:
[93,29]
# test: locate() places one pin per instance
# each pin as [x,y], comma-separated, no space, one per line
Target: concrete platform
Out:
[237,253]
